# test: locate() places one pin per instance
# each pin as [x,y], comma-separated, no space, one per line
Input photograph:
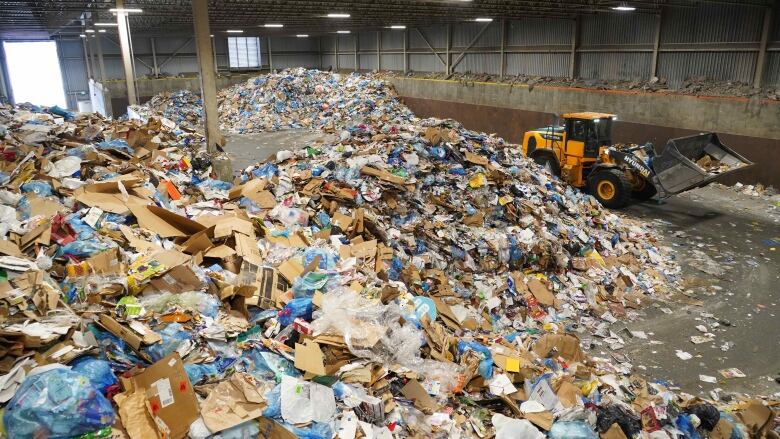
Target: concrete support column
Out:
[503,48]
[208,87]
[214,51]
[758,77]
[336,51]
[319,50]
[406,49]
[101,64]
[92,55]
[448,66]
[86,57]
[357,63]
[656,45]
[155,68]
[270,55]
[575,42]
[378,50]
[127,60]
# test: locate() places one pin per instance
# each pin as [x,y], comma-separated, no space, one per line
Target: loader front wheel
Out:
[644,190]
[611,187]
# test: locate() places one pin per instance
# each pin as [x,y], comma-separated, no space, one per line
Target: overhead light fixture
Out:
[338,15]
[342,31]
[483,20]
[624,7]
[90,31]
[302,35]
[102,31]
[398,26]
[83,36]
[235,31]
[212,35]
[106,24]
[273,25]
[126,10]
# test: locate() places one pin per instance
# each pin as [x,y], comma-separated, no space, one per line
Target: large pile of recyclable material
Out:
[296,98]
[412,279]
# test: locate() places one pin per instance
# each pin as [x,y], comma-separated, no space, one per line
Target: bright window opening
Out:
[34,71]
[244,52]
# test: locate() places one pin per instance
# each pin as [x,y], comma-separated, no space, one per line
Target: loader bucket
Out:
[695,161]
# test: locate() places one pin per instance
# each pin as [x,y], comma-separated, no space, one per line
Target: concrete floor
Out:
[728,245]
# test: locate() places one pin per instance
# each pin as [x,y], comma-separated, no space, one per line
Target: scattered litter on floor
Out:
[410,279]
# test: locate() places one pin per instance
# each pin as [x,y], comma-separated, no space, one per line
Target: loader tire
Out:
[611,187]
[646,191]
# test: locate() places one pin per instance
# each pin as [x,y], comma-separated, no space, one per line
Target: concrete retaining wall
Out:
[752,127]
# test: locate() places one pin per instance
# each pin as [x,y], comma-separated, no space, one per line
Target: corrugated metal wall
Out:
[714,41]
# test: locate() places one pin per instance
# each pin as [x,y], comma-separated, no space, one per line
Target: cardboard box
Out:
[169,395]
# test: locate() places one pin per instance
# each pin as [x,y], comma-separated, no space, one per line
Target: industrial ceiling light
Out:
[90,31]
[302,35]
[106,24]
[83,36]
[623,7]
[102,31]
[235,31]
[398,26]
[342,31]
[273,25]
[338,15]
[126,10]
[483,20]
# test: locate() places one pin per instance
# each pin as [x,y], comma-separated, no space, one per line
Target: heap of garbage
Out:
[412,279]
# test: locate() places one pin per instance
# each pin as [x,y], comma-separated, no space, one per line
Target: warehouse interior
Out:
[379,164]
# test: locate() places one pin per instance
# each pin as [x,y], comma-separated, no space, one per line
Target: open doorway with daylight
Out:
[34,71]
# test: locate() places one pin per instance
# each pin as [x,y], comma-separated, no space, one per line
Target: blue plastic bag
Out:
[273,398]
[98,371]
[486,363]
[82,249]
[39,188]
[173,337]
[58,403]
[300,307]
[265,365]
[117,145]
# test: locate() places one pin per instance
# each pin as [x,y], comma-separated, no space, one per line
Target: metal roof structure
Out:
[35,19]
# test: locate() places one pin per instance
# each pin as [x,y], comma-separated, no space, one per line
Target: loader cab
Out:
[586,133]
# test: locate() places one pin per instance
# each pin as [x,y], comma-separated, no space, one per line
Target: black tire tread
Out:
[623,196]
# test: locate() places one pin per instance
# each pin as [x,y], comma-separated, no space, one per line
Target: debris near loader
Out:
[412,279]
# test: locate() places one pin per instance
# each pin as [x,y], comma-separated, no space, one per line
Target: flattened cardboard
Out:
[198,242]
[134,415]
[614,432]
[383,175]
[220,252]
[270,429]
[126,334]
[422,400]
[9,248]
[476,159]
[290,269]
[567,345]
[107,262]
[756,416]
[178,279]
[108,196]
[309,358]
[169,393]
[540,291]
[164,222]
[232,402]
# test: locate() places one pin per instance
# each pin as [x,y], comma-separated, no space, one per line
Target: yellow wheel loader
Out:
[580,151]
